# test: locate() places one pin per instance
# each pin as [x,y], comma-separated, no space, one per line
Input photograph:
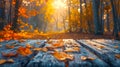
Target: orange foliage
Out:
[24,51]
[13,2]
[9,46]
[8,34]
[33,13]
[23,12]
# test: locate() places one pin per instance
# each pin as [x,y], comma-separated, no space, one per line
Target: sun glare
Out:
[59,4]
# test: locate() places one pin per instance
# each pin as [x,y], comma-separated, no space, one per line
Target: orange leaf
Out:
[10,54]
[29,46]
[24,51]
[117,56]
[57,45]
[2,61]
[62,56]
[9,46]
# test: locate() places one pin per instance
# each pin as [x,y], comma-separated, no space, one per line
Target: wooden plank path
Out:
[105,53]
[20,61]
[102,51]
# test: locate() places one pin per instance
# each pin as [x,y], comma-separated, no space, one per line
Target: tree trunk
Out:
[97,23]
[69,13]
[81,12]
[2,14]
[10,12]
[108,23]
[15,25]
[115,19]
[87,18]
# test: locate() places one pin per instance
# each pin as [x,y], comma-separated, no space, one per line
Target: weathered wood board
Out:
[103,52]
[19,61]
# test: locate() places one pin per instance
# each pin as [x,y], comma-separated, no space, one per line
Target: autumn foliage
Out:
[24,51]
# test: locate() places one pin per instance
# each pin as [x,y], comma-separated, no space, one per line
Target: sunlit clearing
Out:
[59,4]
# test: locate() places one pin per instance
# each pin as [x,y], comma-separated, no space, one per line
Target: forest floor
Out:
[73,36]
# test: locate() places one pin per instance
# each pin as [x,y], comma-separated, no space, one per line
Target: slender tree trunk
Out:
[10,13]
[115,19]
[15,25]
[101,16]
[87,18]
[97,23]
[69,13]
[108,23]
[81,12]
[2,14]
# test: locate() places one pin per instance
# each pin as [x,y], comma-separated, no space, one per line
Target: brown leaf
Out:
[44,49]
[10,61]
[9,46]
[10,54]
[83,58]
[29,46]
[37,49]
[116,47]
[101,47]
[117,56]
[2,61]
[59,56]
[86,58]
[62,56]
[91,58]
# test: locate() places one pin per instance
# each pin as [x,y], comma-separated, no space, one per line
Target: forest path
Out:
[74,36]
[92,53]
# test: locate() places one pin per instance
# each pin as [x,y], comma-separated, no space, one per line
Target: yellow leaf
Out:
[2,61]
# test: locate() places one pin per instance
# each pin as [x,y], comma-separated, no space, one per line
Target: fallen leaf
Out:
[10,61]
[62,56]
[86,58]
[24,51]
[0,45]
[29,46]
[116,47]
[59,56]
[1,40]
[117,56]
[2,61]
[91,58]
[83,58]
[9,46]
[44,49]
[57,45]
[10,54]
[101,47]
[37,49]
[49,42]
[76,48]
